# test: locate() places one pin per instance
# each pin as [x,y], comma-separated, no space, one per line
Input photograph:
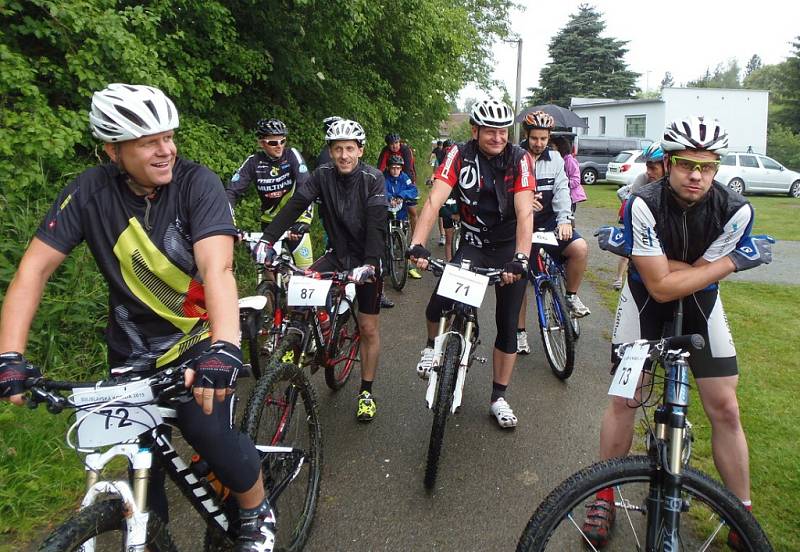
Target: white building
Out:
[742,112]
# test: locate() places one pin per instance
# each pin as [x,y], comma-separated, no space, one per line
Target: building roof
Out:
[606,102]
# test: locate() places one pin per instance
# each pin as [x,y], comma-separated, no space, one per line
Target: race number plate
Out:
[114,414]
[463,286]
[626,378]
[308,292]
[544,238]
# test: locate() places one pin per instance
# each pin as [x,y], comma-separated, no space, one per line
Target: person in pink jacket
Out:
[576,191]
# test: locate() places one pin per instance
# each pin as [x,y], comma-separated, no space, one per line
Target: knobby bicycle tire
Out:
[98,519]
[398,265]
[575,323]
[344,346]
[554,525]
[441,407]
[283,411]
[456,241]
[288,350]
[557,338]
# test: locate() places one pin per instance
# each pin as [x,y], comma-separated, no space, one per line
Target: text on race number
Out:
[626,378]
[544,238]
[114,414]
[463,286]
[307,292]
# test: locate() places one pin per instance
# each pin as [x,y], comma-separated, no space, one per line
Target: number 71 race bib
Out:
[463,285]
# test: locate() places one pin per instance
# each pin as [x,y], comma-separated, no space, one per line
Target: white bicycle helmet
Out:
[696,133]
[346,130]
[491,113]
[123,112]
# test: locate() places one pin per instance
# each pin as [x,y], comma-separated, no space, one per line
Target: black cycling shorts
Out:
[368,295]
[639,316]
[509,297]
[557,251]
[447,223]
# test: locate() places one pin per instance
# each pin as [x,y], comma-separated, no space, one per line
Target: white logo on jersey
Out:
[468,177]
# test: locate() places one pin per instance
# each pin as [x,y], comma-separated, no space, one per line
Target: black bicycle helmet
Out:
[270,127]
[396,160]
[391,138]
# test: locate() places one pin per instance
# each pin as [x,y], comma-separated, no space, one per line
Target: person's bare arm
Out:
[23,296]
[427,218]
[664,283]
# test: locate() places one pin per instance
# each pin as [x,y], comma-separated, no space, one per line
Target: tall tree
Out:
[667,81]
[584,63]
[752,65]
[790,90]
[724,76]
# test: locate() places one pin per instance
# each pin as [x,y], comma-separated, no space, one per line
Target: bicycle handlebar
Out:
[437,267]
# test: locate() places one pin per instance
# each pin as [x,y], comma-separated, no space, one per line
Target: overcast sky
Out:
[681,36]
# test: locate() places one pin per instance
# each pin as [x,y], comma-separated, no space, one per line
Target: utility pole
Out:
[517,98]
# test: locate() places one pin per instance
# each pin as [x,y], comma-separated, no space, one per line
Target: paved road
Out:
[490,480]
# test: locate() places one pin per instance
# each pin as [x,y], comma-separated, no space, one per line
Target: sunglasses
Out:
[690,165]
[272,143]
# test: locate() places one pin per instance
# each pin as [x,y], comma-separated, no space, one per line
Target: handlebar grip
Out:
[694,341]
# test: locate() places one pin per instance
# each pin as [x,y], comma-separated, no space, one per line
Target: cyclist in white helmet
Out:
[495,183]
[353,208]
[161,231]
[684,233]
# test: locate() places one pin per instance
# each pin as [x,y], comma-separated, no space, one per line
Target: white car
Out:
[753,172]
[625,167]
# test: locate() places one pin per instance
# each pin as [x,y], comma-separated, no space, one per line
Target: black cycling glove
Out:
[299,228]
[519,265]
[418,252]
[218,367]
[14,370]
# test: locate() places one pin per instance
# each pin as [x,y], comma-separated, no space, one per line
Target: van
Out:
[595,152]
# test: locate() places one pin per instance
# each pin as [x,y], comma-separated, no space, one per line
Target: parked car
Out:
[595,152]
[625,167]
[753,172]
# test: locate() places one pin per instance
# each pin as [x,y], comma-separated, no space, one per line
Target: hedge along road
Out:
[490,480]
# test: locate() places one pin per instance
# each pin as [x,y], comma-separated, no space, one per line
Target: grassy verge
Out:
[772,212]
[763,320]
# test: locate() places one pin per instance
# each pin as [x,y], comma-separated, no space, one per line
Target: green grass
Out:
[764,321]
[775,215]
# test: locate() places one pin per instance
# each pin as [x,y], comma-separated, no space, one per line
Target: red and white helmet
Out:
[491,113]
[695,133]
[123,112]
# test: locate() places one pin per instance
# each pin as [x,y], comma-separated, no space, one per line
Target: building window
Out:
[584,130]
[635,125]
[602,125]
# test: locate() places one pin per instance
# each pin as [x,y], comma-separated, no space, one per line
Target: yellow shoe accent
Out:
[288,356]
[367,407]
[414,273]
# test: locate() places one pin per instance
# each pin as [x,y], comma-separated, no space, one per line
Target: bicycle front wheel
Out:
[283,412]
[441,407]
[708,511]
[344,347]
[104,521]
[559,345]
[398,265]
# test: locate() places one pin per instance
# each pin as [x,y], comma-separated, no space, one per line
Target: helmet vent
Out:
[132,117]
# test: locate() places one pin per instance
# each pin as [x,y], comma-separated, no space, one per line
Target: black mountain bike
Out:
[455,348]
[662,504]
[128,417]
[396,244]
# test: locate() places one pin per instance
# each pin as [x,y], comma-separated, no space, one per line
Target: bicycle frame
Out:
[544,272]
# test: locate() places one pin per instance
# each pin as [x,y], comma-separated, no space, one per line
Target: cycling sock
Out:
[748,505]
[571,294]
[429,343]
[366,386]
[520,330]
[606,494]
[498,391]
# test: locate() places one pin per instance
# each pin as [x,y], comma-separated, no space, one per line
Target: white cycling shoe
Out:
[425,363]
[502,412]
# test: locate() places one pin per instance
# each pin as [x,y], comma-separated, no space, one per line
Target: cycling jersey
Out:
[143,247]
[486,189]
[408,160]
[553,184]
[353,210]
[655,224]
[275,179]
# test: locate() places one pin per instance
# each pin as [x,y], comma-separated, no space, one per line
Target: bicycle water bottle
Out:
[324,323]
[202,470]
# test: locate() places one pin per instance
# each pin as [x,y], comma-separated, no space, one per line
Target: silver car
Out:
[753,172]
